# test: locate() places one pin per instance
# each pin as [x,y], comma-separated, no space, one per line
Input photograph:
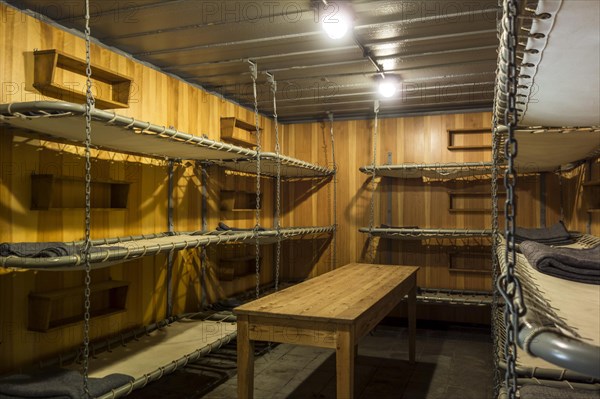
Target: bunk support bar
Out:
[169,368]
[561,350]
[411,166]
[416,233]
[454,297]
[549,374]
[567,385]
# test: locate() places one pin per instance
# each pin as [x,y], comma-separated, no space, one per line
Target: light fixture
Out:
[387,87]
[336,21]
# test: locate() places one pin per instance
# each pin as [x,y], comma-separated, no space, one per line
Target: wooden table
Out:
[333,310]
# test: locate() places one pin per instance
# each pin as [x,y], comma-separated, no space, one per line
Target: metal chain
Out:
[495,239]
[373,184]
[278,182]
[495,230]
[334,242]
[509,284]
[89,104]
[254,74]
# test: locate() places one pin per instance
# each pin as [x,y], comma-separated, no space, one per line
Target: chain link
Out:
[88,183]
[373,185]
[508,284]
[278,182]
[334,238]
[495,233]
[253,73]
[495,242]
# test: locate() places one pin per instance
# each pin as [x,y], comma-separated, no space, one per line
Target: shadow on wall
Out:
[302,257]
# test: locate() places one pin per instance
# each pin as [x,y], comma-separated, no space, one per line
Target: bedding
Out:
[57,384]
[581,265]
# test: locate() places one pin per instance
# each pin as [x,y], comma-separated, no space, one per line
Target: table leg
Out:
[412,323]
[245,360]
[344,357]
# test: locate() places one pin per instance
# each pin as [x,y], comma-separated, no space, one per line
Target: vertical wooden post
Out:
[245,359]
[344,357]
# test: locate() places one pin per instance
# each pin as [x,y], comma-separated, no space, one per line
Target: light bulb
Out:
[387,88]
[336,23]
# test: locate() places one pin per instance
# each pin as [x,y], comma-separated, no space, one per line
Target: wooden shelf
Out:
[237,131]
[233,268]
[470,139]
[471,147]
[53,192]
[591,195]
[237,201]
[470,262]
[111,89]
[59,308]
[592,183]
[459,201]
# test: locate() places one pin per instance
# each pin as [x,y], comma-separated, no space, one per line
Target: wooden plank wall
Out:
[157,97]
[413,203]
[421,139]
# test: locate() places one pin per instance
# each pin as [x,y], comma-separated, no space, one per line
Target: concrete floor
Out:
[452,363]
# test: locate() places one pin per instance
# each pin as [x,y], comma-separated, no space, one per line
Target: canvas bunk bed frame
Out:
[431,171]
[545,117]
[62,121]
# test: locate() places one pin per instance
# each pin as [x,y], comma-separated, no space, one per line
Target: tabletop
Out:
[341,295]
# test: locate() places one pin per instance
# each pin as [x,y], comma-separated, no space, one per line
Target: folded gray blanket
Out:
[556,234]
[223,227]
[385,226]
[57,384]
[546,392]
[45,249]
[581,265]
[35,249]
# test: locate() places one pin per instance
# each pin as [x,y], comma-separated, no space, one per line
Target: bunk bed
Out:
[110,251]
[557,103]
[445,171]
[128,361]
[65,121]
[562,329]
[409,233]
[119,133]
[429,172]
[171,344]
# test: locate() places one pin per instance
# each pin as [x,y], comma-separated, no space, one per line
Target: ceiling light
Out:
[336,21]
[387,87]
